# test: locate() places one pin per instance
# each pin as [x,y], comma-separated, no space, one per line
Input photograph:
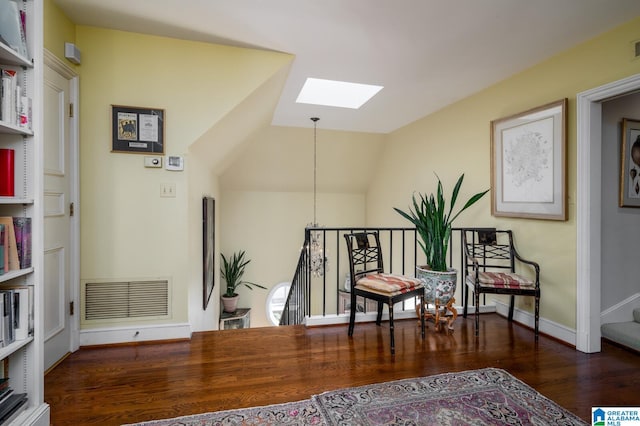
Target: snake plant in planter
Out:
[433,223]
[232,271]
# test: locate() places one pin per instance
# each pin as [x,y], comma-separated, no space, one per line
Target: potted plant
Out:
[232,271]
[433,223]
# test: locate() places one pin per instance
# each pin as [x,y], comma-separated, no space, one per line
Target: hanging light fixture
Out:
[318,261]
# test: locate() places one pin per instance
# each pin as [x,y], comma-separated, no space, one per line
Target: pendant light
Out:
[317,259]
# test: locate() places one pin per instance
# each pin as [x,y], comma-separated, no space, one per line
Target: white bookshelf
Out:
[24,358]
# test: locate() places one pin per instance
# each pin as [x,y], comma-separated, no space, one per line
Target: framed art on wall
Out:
[528,163]
[208,248]
[137,130]
[630,164]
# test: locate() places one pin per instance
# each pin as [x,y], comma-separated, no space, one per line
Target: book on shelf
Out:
[22,311]
[7,172]
[13,27]
[11,258]
[25,109]
[22,229]
[5,248]
[11,405]
[5,392]
[2,244]
[23,32]
[3,343]
[7,317]
[10,402]
[10,93]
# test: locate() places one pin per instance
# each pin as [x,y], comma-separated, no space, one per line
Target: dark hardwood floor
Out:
[260,366]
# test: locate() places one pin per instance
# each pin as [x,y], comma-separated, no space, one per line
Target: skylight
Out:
[334,93]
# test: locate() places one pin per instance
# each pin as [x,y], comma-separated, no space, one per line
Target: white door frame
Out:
[588,209]
[74,197]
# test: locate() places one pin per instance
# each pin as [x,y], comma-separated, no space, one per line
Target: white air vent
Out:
[127,300]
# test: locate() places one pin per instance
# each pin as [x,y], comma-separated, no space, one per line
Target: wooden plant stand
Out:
[439,314]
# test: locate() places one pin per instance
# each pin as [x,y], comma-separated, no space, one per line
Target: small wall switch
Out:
[168,190]
[155,162]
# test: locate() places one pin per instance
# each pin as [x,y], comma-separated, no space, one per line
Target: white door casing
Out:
[60,236]
[588,210]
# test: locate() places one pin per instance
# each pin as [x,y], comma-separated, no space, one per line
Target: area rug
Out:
[291,413]
[488,396]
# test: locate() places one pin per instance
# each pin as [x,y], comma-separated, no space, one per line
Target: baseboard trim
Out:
[40,416]
[322,320]
[621,312]
[133,334]
[55,364]
[550,328]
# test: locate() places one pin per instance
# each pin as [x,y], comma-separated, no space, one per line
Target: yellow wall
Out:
[217,147]
[281,159]
[217,118]
[457,139]
[267,200]
[58,30]
[269,227]
[202,182]
[128,231]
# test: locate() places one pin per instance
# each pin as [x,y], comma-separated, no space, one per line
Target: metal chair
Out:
[369,281]
[490,267]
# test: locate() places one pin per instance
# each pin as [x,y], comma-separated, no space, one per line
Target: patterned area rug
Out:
[479,397]
[488,396]
[291,413]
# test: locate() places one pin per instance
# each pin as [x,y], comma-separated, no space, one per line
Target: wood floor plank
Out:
[260,366]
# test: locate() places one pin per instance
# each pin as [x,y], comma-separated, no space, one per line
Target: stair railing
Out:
[322,293]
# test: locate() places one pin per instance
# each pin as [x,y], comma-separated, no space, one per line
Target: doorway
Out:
[588,206]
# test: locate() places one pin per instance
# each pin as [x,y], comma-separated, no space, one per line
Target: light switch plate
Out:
[167,190]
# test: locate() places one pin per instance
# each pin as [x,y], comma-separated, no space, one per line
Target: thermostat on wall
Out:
[155,162]
[174,163]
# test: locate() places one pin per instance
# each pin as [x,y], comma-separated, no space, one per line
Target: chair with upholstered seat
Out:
[369,280]
[490,267]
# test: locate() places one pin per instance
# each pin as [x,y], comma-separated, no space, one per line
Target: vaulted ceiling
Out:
[426,53]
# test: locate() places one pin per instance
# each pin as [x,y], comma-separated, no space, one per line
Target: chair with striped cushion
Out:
[367,272]
[490,267]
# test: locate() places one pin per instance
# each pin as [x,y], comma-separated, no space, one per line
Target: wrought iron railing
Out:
[297,305]
[325,294]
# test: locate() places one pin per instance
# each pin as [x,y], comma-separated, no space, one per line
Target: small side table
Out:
[241,318]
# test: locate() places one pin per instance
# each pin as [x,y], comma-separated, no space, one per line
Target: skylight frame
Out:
[335,93]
